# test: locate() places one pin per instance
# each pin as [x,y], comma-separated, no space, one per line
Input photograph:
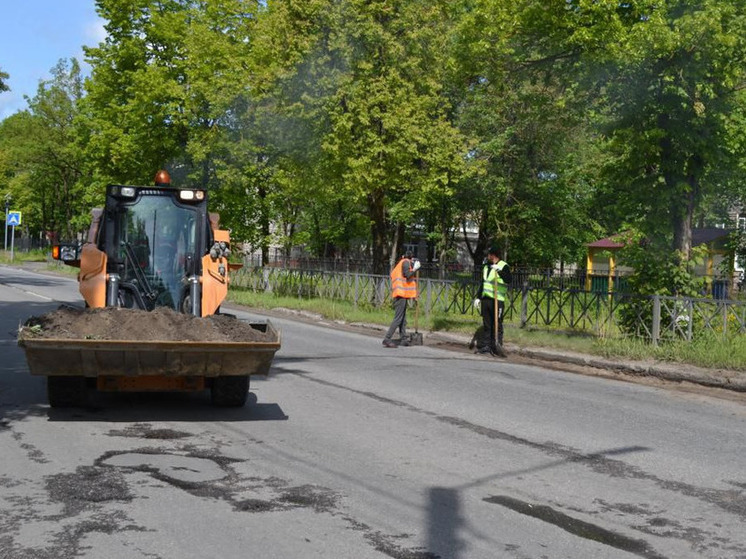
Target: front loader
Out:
[151,246]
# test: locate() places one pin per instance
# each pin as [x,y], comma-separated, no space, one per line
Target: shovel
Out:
[498,348]
[416,337]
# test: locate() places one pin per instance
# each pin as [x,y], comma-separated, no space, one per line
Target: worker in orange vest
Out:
[403,288]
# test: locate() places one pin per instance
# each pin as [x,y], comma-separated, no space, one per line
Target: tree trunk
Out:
[681,217]
[396,246]
[379,232]
[264,225]
[478,251]
[682,210]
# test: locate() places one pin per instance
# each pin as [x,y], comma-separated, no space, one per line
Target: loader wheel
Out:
[230,392]
[66,392]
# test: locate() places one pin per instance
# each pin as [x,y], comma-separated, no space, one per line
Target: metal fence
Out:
[614,315]
[719,286]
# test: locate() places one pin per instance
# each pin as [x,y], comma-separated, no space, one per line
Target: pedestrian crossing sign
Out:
[13,220]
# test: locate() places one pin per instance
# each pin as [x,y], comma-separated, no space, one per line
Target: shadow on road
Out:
[164,406]
[444,522]
[446,529]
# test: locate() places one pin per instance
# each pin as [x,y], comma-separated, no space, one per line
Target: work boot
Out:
[389,343]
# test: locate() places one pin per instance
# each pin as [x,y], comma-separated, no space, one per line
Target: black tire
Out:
[67,392]
[230,392]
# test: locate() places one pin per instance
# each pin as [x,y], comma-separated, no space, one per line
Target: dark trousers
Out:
[400,318]
[488,323]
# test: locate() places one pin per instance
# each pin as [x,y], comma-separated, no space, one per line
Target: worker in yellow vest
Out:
[493,289]
[403,288]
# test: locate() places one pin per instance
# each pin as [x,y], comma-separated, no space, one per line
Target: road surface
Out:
[352,450]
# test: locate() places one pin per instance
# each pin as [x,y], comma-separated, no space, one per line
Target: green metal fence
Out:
[654,318]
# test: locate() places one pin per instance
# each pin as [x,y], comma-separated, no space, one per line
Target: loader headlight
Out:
[127,192]
[68,254]
[191,195]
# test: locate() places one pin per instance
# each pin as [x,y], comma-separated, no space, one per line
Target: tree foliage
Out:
[42,158]
[352,127]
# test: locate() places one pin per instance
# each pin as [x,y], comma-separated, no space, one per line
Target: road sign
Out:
[13,220]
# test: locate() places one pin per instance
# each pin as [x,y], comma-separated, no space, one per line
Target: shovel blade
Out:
[416,338]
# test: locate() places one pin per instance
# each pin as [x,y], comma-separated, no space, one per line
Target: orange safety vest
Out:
[401,286]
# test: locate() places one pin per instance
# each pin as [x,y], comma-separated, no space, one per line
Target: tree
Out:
[676,108]
[163,84]
[364,76]
[47,166]
[520,102]
[3,78]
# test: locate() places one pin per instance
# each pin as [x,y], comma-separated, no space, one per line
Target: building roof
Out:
[700,236]
[608,242]
[708,234]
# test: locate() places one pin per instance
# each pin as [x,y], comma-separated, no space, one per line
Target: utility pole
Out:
[7,207]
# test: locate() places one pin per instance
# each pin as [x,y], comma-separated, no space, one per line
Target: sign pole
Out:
[7,205]
[12,241]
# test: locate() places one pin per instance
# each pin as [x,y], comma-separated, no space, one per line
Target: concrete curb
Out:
[713,378]
[671,372]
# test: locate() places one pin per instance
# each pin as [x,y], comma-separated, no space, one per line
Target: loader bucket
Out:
[94,358]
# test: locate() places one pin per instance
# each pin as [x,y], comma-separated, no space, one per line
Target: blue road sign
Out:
[14,219]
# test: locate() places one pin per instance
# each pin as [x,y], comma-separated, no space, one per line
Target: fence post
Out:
[524,305]
[265,277]
[656,326]
[690,326]
[725,319]
[429,298]
[357,286]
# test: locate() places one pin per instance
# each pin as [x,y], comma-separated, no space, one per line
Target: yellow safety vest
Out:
[489,278]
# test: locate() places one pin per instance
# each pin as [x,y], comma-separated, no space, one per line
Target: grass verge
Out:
[19,257]
[711,351]
[37,256]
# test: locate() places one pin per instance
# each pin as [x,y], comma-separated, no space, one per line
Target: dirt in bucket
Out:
[161,324]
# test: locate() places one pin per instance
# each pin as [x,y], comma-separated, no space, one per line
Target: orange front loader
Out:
[151,246]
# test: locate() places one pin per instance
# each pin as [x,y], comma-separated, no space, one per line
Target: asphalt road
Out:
[351,450]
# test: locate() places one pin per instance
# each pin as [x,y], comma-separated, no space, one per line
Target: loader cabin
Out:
[154,246]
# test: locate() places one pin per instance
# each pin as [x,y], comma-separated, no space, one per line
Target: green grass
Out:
[37,255]
[711,351]
[23,257]
[332,310]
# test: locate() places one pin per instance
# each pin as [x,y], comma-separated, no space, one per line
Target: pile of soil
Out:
[161,324]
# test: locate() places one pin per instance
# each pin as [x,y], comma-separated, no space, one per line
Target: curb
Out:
[712,378]
[731,380]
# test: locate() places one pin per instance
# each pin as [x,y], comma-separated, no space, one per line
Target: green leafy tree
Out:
[45,176]
[172,86]
[363,76]
[676,107]
[162,86]
[526,114]
[3,78]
